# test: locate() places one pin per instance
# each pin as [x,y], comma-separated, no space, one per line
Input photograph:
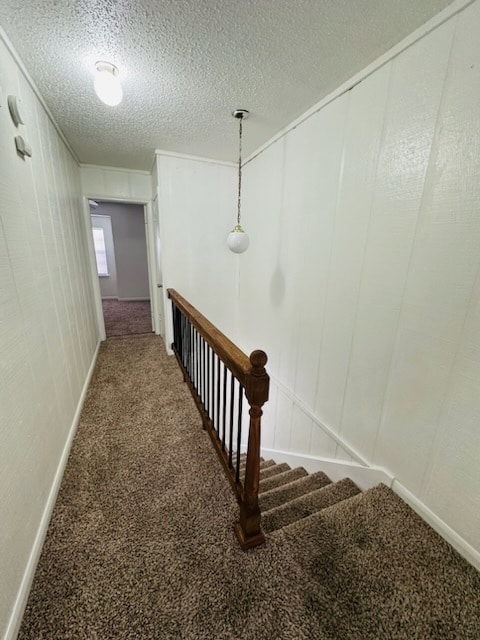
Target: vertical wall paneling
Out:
[263,291]
[283,421]
[362,141]
[268,418]
[422,349]
[361,281]
[321,444]
[111,182]
[411,116]
[195,223]
[47,330]
[314,192]
[450,240]
[301,432]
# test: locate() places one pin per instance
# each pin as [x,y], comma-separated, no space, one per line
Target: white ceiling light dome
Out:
[107,84]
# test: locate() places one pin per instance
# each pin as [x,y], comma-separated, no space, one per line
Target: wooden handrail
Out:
[250,373]
[226,350]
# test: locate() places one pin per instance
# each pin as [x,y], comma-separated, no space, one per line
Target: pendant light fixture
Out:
[107,84]
[237,240]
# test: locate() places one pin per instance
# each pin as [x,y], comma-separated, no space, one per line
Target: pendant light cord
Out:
[239,169]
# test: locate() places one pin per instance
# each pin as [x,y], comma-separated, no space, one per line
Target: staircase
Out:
[141,542]
[368,553]
[288,495]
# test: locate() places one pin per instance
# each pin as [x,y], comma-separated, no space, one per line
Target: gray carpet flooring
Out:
[141,544]
[126,317]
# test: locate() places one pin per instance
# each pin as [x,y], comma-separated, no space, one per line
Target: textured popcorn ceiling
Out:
[186,64]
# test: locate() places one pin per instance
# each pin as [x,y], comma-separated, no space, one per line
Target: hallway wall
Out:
[48,333]
[362,278]
[194,223]
[108,183]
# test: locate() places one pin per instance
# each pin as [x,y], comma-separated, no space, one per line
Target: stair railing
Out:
[220,376]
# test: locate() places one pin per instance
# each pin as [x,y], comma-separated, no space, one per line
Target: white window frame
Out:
[102,273]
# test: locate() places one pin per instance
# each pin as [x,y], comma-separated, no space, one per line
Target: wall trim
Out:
[7,42]
[368,477]
[449,12]
[131,299]
[186,156]
[13,625]
[152,277]
[328,430]
[142,172]
[464,548]
[365,477]
[92,267]
[103,198]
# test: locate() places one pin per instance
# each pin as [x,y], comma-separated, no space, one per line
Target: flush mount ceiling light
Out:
[237,240]
[107,84]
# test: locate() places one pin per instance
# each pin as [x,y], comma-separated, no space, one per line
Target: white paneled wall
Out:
[196,208]
[47,328]
[362,278]
[113,183]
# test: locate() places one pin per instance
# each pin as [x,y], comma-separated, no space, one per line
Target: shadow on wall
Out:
[277,287]
[278,281]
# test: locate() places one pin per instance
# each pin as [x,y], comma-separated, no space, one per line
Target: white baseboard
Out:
[367,477]
[124,299]
[15,621]
[331,433]
[452,537]
[364,477]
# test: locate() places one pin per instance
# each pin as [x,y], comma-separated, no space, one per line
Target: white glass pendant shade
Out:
[238,240]
[107,85]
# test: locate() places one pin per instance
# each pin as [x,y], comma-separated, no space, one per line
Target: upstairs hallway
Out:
[141,542]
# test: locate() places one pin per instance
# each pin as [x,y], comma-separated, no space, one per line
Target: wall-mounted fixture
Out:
[14,106]
[23,148]
[107,84]
[238,240]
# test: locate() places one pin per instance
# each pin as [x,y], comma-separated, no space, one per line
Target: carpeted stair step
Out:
[366,568]
[274,471]
[305,527]
[308,504]
[266,465]
[280,495]
[281,479]
[373,556]
[243,459]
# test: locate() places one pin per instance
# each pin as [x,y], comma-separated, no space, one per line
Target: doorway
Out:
[120,245]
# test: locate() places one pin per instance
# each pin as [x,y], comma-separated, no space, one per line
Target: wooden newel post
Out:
[248,529]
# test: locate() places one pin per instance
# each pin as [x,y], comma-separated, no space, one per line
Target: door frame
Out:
[151,259]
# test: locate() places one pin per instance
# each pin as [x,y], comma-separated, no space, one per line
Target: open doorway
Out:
[120,244]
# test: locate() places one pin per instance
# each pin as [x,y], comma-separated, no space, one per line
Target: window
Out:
[100,251]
